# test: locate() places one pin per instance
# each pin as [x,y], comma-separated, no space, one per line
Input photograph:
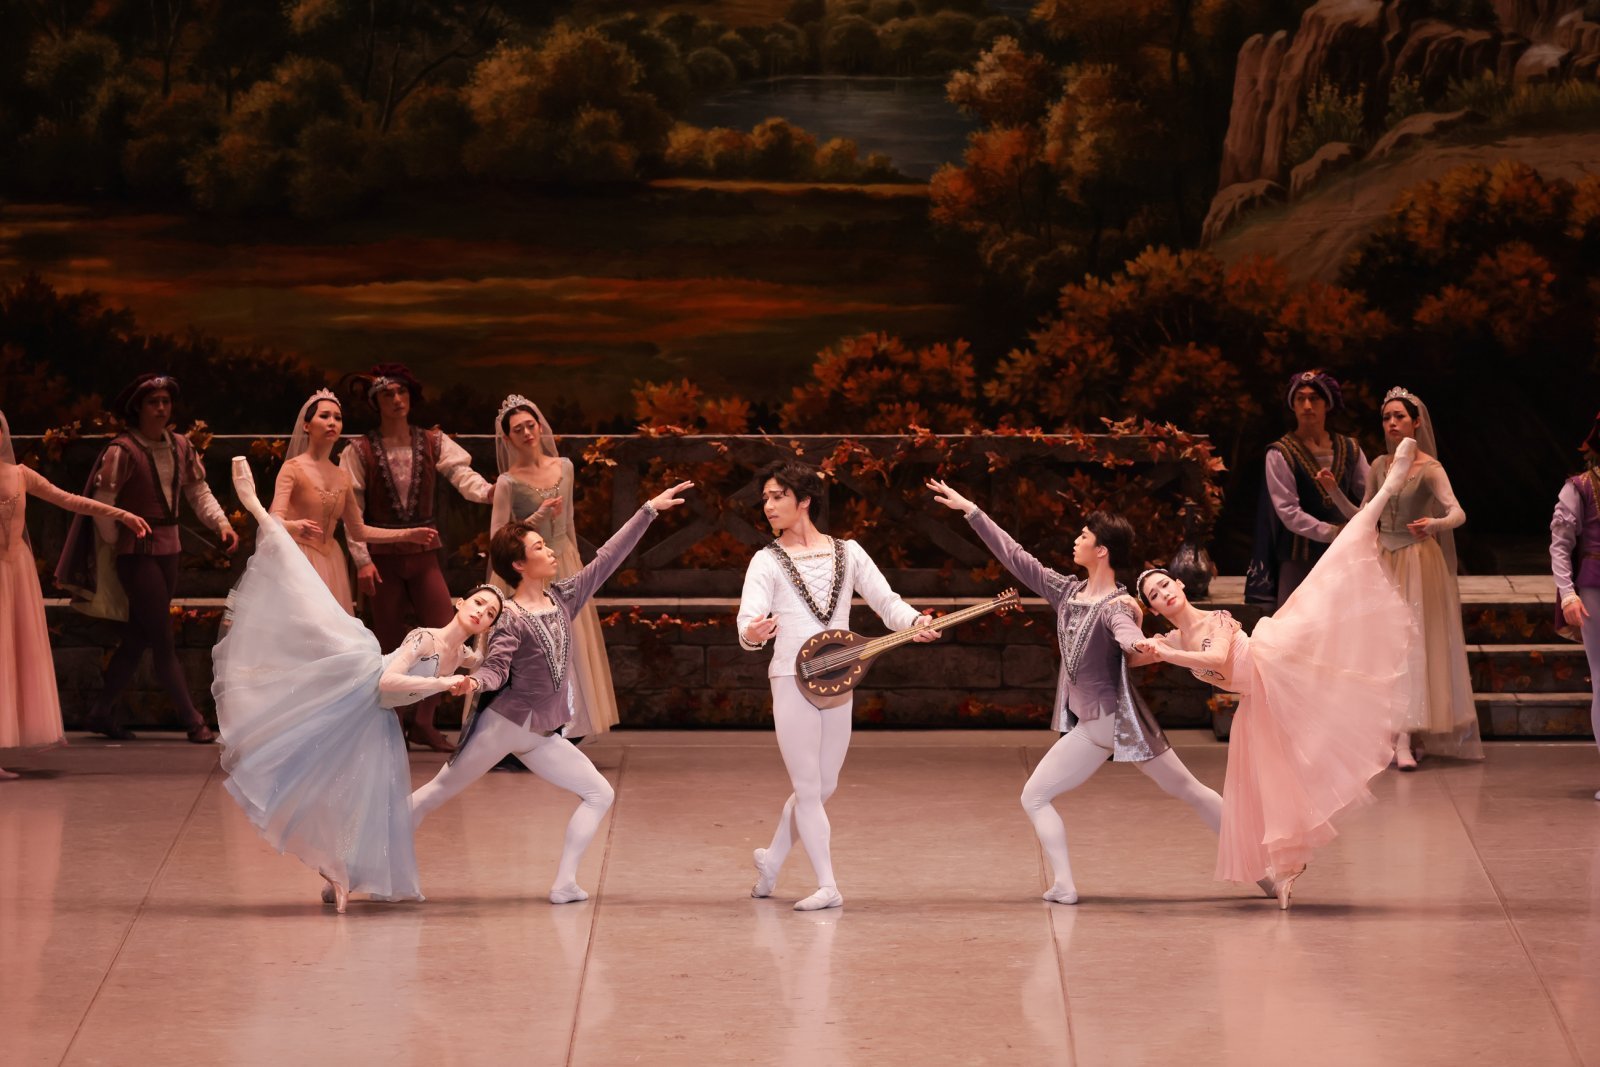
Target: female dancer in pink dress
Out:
[30,710]
[1322,688]
[313,494]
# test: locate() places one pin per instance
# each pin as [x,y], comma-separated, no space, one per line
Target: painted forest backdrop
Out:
[798,216]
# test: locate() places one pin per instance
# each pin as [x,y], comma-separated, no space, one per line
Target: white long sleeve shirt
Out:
[767,589]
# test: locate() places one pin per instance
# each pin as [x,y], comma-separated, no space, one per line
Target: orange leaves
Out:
[1509,294]
[599,453]
[263,449]
[200,436]
[874,383]
[675,408]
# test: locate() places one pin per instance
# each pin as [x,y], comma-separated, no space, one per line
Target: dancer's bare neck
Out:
[803,537]
[1102,582]
[1191,618]
[395,429]
[533,595]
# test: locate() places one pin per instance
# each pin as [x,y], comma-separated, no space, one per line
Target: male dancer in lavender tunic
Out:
[1098,709]
[1575,560]
[524,680]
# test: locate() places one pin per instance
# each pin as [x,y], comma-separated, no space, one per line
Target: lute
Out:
[833,662]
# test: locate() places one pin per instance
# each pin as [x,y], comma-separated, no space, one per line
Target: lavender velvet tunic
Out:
[1092,636]
[524,676]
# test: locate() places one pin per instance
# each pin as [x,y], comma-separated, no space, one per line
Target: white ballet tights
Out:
[1071,761]
[554,759]
[813,742]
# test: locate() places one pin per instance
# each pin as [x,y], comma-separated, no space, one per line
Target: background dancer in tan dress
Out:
[535,486]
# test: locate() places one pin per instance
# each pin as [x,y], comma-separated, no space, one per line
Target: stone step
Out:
[1495,608]
[1505,715]
[1555,669]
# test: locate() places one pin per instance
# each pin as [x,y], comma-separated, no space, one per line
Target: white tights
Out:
[1072,760]
[554,759]
[813,742]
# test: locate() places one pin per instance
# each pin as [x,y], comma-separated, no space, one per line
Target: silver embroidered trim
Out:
[1079,625]
[556,639]
[799,583]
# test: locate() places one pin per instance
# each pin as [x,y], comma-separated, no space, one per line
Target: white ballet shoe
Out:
[1405,454]
[1268,886]
[765,879]
[1597,794]
[570,893]
[1285,889]
[826,897]
[6,776]
[1061,894]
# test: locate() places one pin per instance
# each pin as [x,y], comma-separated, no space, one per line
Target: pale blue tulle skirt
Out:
[315,761]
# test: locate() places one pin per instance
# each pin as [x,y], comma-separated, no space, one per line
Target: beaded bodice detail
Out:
[818,577]
[1077,624]
[555,634]
[526,500]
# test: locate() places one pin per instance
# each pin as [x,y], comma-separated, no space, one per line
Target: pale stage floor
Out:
[1456,921]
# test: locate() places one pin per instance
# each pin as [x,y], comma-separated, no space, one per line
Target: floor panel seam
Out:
[598,898]
[1055,939]
[1516,932]
[138,910]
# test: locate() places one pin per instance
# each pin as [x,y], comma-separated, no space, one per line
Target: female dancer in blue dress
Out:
[312,752]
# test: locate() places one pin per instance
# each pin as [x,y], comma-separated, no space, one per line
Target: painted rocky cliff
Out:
[1365,53]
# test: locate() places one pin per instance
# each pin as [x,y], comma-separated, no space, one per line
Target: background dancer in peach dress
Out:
[30,710]
[1322,687]
[313,494]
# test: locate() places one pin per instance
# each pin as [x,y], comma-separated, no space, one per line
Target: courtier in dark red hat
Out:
[147,470]
[1309,470]
[1575,560]
[396,470]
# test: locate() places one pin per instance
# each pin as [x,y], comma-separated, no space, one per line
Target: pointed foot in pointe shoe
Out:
[201,735]
[826,897]
[1285,889]
[341,897]
[1061,894]
[765,879]
[1597,794]
[568,894]
[1268,886]
[6,776]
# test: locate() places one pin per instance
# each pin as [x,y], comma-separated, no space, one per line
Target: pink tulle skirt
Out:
[30,711]
[1323,690]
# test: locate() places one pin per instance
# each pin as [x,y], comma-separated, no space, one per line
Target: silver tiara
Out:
[1400,392]
[1138,583]
[511,403]
[322,394]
